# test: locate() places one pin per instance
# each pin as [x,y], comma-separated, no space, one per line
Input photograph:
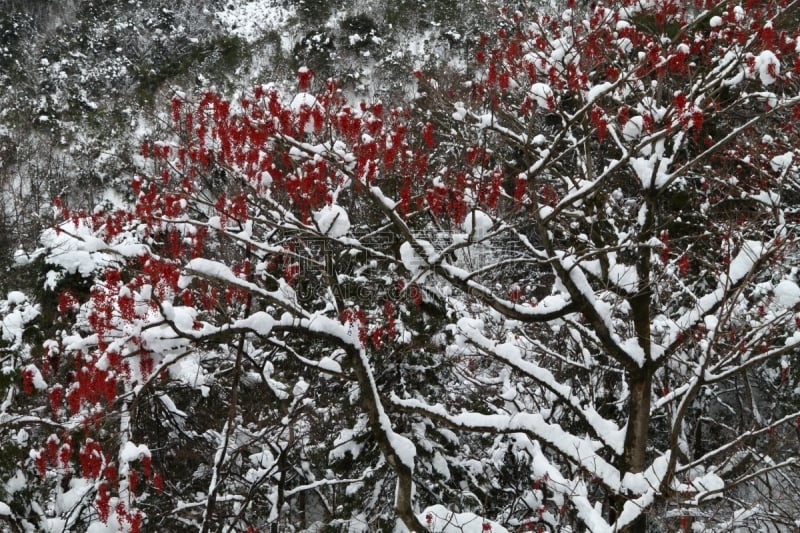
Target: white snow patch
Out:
[346,443]
[132,452]
[477,225]
[780,163]
[542,95]
[332,220]
[252,20]
[16,483]
[787,294]
[460,113]
[633,128]
[440,519]
[38,381]
[597,91]
[100,527]
[387,202]
[440,466]
[70,499]
[624,276]
[301,100]
[648,174]
[16,298]
[634,350]
[411,260]
[14,320]
[709,482]
[260,322]
[768,67]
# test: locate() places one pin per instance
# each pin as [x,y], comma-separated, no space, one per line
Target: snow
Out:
[491,338]
[439,465]
[346,443]
[460,113]
[16,314]
[487,120]
[739,268]
[439,519]
[262,462]
[597,91]
[624,276]
[477,225]
[252,20]
[646,170]
[740,518]
[542,95]
[100,527]
[5,510]
[624,45]
[259,322]
[332,220]
[403,448]
[38,381]
[634,350]
[16,483]
[651,478]
[162,339]
[715,22]
[768,67]
[632,129]
[780,163]
[709,482]
[646,484]
[131,452]
[742,264]
[301,100]
[300,388]
[71,499]
[730,64]
[387,202]
[216,270]
[768,198]
[412,261]
[54,525]
[16,298]
[329,365]
[711,322]
[787,294]
[76,249]
[611,434]
[188,370]
[582,451]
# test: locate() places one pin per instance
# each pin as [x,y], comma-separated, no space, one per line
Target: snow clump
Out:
[332,220]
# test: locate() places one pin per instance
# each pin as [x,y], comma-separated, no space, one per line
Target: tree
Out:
[558,293]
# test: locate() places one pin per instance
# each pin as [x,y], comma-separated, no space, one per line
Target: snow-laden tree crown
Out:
[553,289]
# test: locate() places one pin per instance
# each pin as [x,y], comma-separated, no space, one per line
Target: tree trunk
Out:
[634,454]
[640,380]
